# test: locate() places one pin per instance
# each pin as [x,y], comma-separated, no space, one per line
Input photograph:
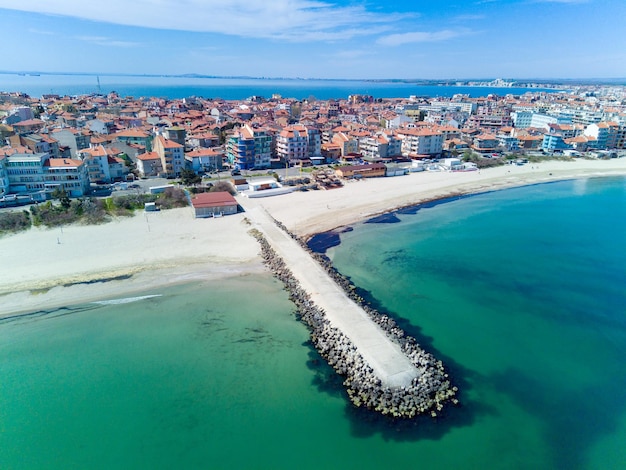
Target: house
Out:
[214,204]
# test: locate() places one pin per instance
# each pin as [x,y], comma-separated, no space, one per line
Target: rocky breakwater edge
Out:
[425,395]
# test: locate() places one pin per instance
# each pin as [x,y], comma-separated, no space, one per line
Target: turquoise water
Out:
[524,292]
[519,291]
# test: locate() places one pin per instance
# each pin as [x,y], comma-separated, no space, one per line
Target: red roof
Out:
[216,199]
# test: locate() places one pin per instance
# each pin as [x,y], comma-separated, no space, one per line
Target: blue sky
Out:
[318,39]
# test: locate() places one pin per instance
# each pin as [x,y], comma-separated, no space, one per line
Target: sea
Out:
[520,292]
[176,87]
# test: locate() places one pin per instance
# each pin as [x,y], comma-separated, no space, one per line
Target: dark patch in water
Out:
[598,405]
[389,218]
[323,241]
[103,279]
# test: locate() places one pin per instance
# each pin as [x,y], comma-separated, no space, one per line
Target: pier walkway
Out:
[383,355]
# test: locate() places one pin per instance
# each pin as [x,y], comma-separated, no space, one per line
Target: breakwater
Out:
[427,391]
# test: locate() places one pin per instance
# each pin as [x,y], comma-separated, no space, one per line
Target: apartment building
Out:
[298,142]
[249,148]
[172,156]
[418,142]
[38,173]
[380,146]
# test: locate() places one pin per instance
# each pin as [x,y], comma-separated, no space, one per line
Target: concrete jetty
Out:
[385,370]
[384,356]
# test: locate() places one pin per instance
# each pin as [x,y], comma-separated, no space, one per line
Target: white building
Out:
[420,142]
[38,173]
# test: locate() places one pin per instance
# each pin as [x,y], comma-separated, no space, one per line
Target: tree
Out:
[468,156]
[60,194]
[189,177]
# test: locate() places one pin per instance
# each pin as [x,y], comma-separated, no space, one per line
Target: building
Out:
[361,171]
[380,146]
[346,143]
[68,174]
[39,175]
[420,142]
[97,161]
[172,156]
[214,204]
[250,148]
[149,164]
[4,177]
[135,137]
[298,142]
[203,160]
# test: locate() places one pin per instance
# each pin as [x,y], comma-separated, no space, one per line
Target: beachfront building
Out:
[298,142]
[68,174]
[4,177]
[554,141]
[250,148]
[380,146]
[203,160]
[39,175]
[214,204]
[485,143]
[172,156]
[26,174]
[600,134]
[418,142]
[361,171]
[97,161]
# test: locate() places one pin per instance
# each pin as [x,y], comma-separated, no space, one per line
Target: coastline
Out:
[313,212]
[51,268]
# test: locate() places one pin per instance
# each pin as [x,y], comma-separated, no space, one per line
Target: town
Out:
[81,143]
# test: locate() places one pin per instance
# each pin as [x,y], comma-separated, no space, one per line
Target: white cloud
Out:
[40,31]
[280,19]
[420,36]
[107,42]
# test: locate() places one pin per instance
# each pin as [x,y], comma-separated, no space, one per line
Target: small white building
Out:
[264,187]
[452,164]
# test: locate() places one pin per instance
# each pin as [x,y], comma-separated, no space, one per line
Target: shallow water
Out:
[523,291]
[520,292]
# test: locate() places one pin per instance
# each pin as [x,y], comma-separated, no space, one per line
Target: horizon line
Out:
[551,80]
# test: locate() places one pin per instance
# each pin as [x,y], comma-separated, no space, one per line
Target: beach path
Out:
[382,354]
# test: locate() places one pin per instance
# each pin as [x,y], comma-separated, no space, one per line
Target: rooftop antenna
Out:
[99,89]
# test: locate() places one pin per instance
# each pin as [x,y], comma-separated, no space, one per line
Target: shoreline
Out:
[321,212]
[51,268]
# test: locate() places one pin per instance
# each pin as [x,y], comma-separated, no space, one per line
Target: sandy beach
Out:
[49,268]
